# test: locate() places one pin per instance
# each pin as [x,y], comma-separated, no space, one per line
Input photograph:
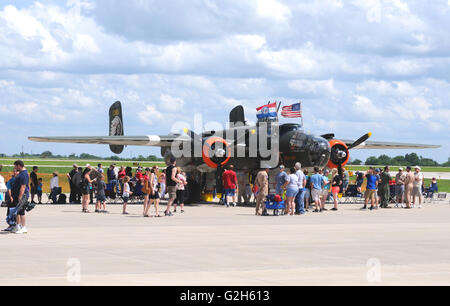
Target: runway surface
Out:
[214,245]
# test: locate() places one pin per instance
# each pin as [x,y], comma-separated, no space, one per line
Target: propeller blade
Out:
[360,141]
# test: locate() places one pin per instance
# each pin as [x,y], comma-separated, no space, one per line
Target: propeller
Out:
[360,141]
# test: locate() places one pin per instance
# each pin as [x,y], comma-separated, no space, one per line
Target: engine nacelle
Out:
[339,154]
[216,151]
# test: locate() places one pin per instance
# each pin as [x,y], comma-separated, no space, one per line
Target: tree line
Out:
[83,156]
[407,160]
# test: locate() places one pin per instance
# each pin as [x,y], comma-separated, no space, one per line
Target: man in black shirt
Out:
[34,183]
[72,197]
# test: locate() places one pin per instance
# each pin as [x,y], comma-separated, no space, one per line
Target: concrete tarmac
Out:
[214,245]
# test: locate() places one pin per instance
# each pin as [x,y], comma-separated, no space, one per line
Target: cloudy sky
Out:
[358,66]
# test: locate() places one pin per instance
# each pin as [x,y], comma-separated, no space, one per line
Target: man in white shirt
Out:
[54,186]
[417,186]
[300,198]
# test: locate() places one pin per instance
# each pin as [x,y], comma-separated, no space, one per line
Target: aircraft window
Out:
[289,127]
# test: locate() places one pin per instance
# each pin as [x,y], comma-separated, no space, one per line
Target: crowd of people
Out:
[299,189]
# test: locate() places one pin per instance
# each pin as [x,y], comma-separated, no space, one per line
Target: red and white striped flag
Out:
[292,111]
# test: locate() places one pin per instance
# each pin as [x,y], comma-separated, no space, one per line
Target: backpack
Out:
[62,199]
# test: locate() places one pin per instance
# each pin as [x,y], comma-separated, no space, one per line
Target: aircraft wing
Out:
[150,140]
[390,145]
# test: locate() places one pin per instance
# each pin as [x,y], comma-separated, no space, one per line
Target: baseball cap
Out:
[282,167]
[417,167]
[400,169]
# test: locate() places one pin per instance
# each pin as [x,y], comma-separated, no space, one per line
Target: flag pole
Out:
[301,112]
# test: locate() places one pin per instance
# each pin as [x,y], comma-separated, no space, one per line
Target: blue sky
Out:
[358,66]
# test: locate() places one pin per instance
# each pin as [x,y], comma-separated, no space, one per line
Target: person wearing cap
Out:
[409,184]
[384,187]
[300,197]
[417,186]
[282,179]
[400,179]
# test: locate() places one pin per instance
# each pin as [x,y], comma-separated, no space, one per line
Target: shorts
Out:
[86,190]
[33,190]
[399,190]
[315,194]
[172,191]
[21,205]
[39,193]
[180,197]
[325,192]
[335,189]
[125,199]
[230,192]
[154,196]
[307,193]
[101,198]
[291,192]
[417,192]
[369,193]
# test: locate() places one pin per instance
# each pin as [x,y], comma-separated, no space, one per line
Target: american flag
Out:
[292,111]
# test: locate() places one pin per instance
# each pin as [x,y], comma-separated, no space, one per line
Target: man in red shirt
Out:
[229,179]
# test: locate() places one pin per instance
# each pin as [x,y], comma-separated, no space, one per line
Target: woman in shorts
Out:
[291,192]
[154,195]
[335,188]
[180,191]
[86,188]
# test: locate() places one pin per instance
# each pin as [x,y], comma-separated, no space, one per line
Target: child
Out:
[126,194]
[101,197]
[39,190]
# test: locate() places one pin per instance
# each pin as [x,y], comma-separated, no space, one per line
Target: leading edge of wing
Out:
[150,140]
[391,145]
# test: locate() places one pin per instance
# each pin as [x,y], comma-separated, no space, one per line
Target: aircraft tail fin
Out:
[237,115]
[116,125]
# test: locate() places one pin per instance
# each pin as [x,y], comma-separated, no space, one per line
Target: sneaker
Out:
[372,208]
[23,230]
[16,228]
[168,214]
[420,206]
[234,204]
[9,229]
[364,207]
[334,209]
[324,209]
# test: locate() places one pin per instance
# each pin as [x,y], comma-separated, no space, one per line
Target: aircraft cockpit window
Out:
[288,128]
